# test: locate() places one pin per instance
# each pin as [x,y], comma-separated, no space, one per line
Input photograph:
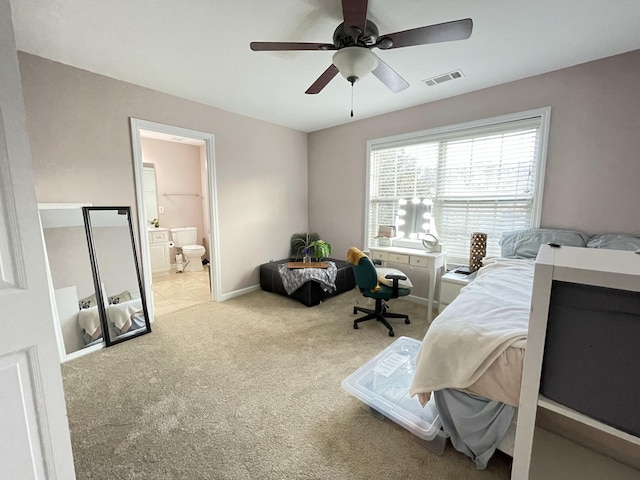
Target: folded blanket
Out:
[354,255]
[120,313]
[89,320]
[293,279]
[489,315]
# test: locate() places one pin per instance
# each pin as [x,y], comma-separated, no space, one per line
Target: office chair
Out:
[367,281]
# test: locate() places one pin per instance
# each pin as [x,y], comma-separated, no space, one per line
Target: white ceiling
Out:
[199,49]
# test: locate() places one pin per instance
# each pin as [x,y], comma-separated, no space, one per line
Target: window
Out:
[484,176]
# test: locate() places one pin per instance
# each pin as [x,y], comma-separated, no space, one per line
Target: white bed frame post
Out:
[540,298]
[613,269]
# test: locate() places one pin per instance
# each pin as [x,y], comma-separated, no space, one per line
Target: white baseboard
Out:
[237,293]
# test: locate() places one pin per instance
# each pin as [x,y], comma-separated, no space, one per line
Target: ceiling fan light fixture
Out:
[354,63]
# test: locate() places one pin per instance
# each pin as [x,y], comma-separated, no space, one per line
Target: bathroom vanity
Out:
[159,248]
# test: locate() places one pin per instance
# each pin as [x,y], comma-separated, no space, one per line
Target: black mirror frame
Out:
[98,283]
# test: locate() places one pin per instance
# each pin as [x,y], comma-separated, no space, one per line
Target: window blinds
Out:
[480,179]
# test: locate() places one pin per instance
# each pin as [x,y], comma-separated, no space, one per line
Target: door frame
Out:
[138,125]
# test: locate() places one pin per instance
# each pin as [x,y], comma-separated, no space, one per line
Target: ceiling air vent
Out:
[443,78]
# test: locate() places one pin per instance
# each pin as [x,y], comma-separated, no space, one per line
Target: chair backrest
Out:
[365,274]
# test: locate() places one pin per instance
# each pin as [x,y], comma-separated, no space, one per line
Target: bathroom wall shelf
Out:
[181,195]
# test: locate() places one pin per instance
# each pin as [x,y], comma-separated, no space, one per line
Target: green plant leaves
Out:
[321,249]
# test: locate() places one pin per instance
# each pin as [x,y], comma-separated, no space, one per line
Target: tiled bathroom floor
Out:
[180,290]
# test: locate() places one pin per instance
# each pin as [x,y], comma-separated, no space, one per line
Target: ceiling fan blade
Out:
[277,46]
[323,80]
[355,14]
[440,32]
[389,77]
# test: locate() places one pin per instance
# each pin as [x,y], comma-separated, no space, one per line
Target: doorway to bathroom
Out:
[174,172]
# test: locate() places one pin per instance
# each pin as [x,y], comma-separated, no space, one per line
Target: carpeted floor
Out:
[247,389]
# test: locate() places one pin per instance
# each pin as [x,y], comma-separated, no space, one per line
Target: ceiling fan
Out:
[356,36]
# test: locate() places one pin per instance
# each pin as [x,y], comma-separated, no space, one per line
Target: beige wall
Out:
[79,133]
[592,178]
[78,125]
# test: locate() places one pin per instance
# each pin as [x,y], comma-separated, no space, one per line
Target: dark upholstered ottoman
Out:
[311,293]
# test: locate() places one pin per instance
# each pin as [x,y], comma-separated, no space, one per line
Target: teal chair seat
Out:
[366,277]
[386,293]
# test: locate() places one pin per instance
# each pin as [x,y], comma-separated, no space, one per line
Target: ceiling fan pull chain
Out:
[351,99]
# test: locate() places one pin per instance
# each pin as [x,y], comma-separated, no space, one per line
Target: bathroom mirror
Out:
[150,192]
[116,273]
[75,310]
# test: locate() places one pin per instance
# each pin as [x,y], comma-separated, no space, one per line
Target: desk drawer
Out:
[448,292]
[158,237]
[398,258]
[419,261]
[378,255]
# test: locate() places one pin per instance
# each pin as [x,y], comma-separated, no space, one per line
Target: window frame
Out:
[544,114]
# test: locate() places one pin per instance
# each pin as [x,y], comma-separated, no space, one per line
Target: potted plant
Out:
[321,249]
[307,244]
[300,242]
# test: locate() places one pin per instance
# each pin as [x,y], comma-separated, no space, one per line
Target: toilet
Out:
[185,238]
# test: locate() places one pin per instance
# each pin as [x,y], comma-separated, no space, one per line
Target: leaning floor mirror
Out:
[116,273]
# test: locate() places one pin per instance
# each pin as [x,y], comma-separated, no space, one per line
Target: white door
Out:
[34,432]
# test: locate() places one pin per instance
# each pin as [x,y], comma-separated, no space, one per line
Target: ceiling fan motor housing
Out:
[352,37]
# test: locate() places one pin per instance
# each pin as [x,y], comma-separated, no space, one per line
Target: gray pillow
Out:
[87,302]
[119,298]
[526,243]
[614,241]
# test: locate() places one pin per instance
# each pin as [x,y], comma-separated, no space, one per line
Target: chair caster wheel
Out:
[407,321]
[391,334]
[355,326]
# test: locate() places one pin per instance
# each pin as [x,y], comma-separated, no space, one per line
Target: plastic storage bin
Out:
[383,385]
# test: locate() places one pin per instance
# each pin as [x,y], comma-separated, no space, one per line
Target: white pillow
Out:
[382,272]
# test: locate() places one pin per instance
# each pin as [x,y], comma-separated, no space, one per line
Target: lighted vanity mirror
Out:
[414,218]
[116,273]
[75,309]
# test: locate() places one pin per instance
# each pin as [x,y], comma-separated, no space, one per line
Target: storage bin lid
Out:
[383,384]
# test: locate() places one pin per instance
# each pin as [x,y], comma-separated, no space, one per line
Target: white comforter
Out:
[489,315]
[120,313]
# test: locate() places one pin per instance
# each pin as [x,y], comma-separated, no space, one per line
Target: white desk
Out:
[424,269]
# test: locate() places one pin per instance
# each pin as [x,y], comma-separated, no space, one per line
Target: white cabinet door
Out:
[159,254]
[34,432]
[448,292]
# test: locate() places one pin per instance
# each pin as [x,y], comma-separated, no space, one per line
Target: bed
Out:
[126,316]
[123,317]
[472,355]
